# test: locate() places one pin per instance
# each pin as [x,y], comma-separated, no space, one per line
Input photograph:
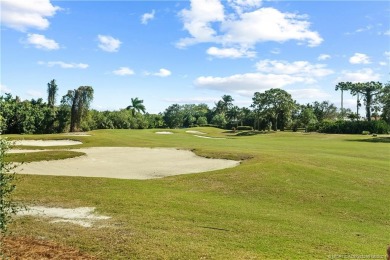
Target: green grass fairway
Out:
[294,196]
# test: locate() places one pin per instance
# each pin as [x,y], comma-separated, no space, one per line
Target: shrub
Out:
[245,127]
[312,127]
[209,125]
[7,186]
[353,127]
[365,133]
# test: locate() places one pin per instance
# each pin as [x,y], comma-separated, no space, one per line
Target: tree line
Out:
[273,109]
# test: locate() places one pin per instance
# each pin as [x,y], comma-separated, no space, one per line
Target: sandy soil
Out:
[127,163]
[47,142]
[84,217]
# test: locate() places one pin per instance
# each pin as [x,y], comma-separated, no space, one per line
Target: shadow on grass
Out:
[250,133]
[372,140]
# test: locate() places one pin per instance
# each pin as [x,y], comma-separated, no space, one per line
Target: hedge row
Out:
[353,127]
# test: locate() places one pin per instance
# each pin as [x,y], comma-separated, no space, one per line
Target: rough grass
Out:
[42,156]
[296,196]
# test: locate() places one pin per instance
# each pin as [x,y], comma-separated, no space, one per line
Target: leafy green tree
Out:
[219,120]
[155,120]
[368,90]
[202,120]
[384,102]
[274,104]
[52,89]
[173,116]
[79,101]
[7,206]
[136,106]
[308,117]
[324,110]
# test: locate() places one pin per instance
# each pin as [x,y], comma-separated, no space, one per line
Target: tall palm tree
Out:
[51,93]
[79,101]
[136,106]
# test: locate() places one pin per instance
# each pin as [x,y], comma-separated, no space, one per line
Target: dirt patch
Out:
[28,248]
[127,163]
[47,142]
[84,216]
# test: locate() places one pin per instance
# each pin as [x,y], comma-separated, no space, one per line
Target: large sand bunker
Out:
[127,163]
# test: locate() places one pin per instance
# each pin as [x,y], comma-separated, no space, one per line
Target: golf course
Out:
[281,195]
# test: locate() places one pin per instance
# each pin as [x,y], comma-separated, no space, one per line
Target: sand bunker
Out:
[46,142]
[80,216]
[208,137]
[164,133]
[77,134]
[127,163]
[195,132]
[26,151]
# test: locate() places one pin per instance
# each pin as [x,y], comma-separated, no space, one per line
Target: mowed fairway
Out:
[294,196]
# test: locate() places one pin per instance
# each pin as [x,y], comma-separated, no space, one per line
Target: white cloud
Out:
[64,65]
[41,42]
[197,21]
[387,32]
[387,54]
[269,24]
[308,93]
[4,89]
[108,43]
[301,68]
[383,63]
[363,29]
[363,75]
[162,73]
[193,100]
[206,21]
[248,83]
[359,58]
[124,71]
[34,94]
[271,74]
[324,57]
[147,17]
[21,15]
[244,5]
[230,53]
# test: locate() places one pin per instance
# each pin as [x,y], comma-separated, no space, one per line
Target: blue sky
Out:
[167,52]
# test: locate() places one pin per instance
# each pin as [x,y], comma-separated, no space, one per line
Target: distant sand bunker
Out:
[195,132]
[46,142]
[164,133]
[127,163]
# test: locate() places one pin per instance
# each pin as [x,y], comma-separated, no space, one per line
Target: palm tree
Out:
[233,114]
[136,106]
[79,101]
[223,105]
[51,93]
